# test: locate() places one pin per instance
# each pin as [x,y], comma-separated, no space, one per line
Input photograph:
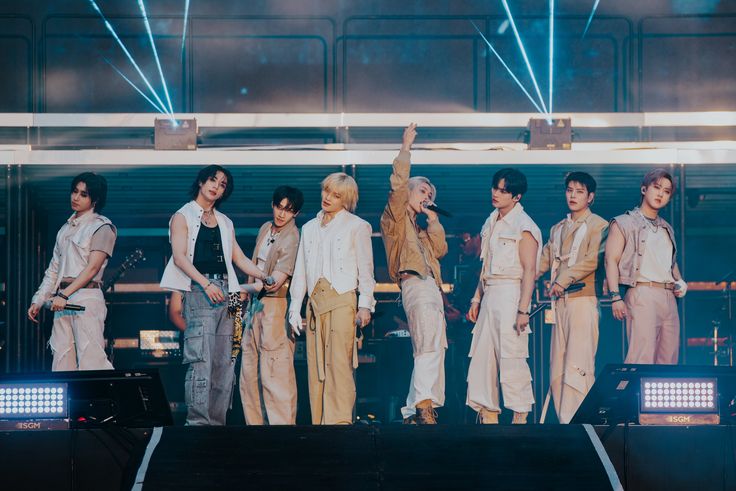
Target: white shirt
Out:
[263,251]
[71,253]
[656,263]
[500,238]
[341,253]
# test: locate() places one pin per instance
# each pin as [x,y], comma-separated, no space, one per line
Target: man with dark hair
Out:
[510,251]
[204,251]
[641,255]
[267,378]
[572,255]
[413,255]
[83,246]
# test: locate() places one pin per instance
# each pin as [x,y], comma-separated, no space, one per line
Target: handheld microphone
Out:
[69,306]
[436,209]
[269,281]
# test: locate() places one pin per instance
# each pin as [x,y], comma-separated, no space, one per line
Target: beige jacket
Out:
[589,255]
[282,255]
[403,240]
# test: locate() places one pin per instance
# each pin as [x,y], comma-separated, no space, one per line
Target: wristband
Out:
[207,285]
[474,300]
[617,300]
[522,312]
[59,294]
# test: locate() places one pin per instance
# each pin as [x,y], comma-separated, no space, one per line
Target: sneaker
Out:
[426,415]
[487,417]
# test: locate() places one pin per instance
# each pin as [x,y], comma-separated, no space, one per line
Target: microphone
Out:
[69,306]
[269,281]
[436,209]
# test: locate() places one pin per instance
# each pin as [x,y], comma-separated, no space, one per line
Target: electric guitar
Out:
[130,262]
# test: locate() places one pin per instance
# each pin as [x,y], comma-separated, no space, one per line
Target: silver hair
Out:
[417,180]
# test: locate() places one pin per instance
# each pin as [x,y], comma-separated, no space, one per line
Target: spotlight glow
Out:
[523,53]
[551,50]
[493,50]
[127,53]
[158,108]
[184,29]
[142,7]
[590,18]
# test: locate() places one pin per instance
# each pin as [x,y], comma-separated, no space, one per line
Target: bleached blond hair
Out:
[345,186]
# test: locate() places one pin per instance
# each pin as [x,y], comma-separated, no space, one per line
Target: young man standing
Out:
[510,251]
[204,251]
[83,246]
[267,378]
[641,255]
[334,261]
[571,255]
[413,255]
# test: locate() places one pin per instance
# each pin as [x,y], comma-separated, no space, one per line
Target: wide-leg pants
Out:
[422,303]
[210,377]
[498,353]
[572,353]
[332,354]
[77,338]
[652,326]
[267,377]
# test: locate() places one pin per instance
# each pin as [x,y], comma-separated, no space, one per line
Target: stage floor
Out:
[373,457]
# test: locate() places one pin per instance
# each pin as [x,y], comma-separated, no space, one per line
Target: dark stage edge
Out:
[538,457]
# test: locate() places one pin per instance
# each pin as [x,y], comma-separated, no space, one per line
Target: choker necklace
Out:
[652,222]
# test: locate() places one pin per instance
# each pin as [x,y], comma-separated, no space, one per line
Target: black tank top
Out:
[208,255]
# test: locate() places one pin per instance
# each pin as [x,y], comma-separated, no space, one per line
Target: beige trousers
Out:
[425,312]
[572,353]
[652,326]
[498,353]
[77,339]
[267,377]
[332,354]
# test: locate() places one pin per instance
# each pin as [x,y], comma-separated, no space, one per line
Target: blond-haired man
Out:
[334,269]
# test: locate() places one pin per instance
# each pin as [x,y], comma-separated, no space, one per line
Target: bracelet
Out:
[617,300]
[207,285]
[474,300]
[59,294]
[522,312]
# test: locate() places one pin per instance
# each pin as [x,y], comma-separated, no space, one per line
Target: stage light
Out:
[554,134]
[678,400]
[33,406]
[159,344]
[171,134]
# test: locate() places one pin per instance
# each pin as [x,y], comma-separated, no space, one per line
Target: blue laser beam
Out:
[523,53]
[127,53]
[551,50]
[158,108]
[493,50]
[590,18]
[155,53]
[184,29]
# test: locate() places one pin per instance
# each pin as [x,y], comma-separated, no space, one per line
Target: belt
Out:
[657,284]
[91,284]
[408,274]
[215,276]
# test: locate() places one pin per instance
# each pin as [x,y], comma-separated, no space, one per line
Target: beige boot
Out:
[411,420]
[487,417]
[425,413]
[519,418]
